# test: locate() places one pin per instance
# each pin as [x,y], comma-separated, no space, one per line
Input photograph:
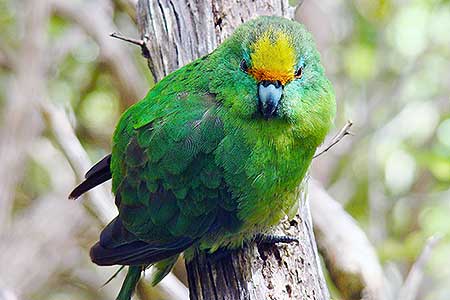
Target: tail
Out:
[162,268]
[130,282]
[98,174]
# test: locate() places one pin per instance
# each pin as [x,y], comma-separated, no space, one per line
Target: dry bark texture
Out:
[175,33]
[262,271]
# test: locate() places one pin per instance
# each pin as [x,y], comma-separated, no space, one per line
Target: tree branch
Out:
[255,272]
[141,43]
[336,139]
[100,199]
[176,32]
[350,258]
[264,272]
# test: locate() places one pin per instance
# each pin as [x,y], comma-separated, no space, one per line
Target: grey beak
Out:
[269,94]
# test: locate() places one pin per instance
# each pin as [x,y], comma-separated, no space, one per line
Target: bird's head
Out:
[270,69]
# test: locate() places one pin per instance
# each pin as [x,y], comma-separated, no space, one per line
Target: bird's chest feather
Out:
[263,168]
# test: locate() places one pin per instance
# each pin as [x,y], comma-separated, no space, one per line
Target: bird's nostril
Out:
[277,84]
[266,83]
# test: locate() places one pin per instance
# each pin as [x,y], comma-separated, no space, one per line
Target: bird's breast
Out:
[263,170]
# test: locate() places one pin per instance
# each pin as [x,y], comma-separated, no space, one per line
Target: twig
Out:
[140,43]
[337,138]
[412,282]
[127,39]
[128,78]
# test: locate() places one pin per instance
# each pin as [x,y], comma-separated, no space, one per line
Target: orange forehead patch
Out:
[273,57]
[262,74]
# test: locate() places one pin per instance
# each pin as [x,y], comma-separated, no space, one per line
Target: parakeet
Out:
[216,151]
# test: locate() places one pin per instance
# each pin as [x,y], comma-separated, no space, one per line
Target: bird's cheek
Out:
[289,104]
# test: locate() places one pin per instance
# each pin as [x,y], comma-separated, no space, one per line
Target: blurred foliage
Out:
[389,61]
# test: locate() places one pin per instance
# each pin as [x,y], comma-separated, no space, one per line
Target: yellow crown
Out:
[273,57]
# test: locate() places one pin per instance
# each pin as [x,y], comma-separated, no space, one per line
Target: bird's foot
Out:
[270,239]
[261,239]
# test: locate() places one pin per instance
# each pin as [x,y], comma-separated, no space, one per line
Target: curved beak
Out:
[269,95]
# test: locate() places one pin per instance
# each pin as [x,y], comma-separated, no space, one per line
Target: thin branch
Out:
[337,138]
[116,35]
[141,43]
[130,82]
[411,285]
[113,276]
[60,125]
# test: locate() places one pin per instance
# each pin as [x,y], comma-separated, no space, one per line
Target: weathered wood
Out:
[176,32]
[262,271]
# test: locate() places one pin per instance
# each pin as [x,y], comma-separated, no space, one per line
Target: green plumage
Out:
[130,282]
[194,165]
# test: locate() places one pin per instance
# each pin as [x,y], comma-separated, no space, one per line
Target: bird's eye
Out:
[243,65]
[299,73]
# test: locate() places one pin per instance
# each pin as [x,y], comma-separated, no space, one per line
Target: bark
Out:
[175,33]
[264,272]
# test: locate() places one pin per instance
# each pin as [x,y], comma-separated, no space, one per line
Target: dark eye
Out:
[299,73]
[243,65]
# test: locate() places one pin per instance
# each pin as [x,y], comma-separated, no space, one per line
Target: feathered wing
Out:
[117,246]
[165,179]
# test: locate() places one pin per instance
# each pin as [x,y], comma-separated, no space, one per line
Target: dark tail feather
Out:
[98,174]
[130,282]
[99,167]
[162,268]
[118,246]
[89,184]
[138,252]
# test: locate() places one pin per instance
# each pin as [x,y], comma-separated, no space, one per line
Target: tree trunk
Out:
[175,33]
[264,272]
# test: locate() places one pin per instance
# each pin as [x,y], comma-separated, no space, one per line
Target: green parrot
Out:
[215,153]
